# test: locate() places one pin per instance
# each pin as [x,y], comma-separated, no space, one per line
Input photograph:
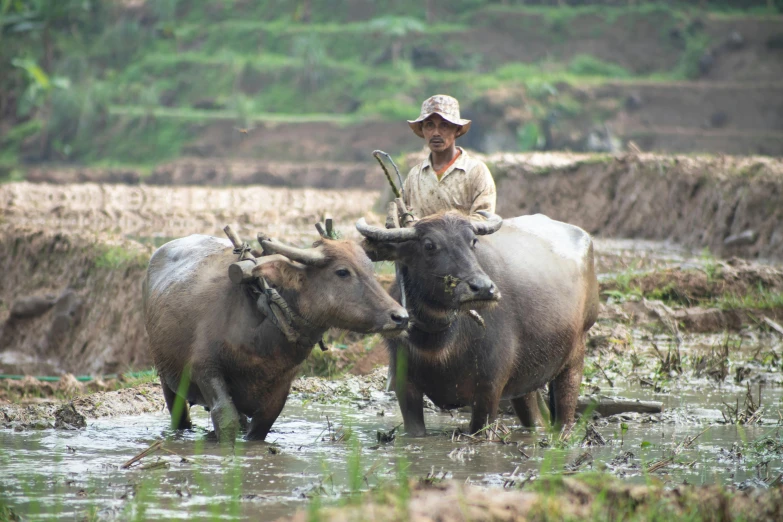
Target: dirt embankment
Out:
[167,212]
[74,414]
[223,172]
[70,297]
[698,201]
[558,499]
[730,205]
[71,303]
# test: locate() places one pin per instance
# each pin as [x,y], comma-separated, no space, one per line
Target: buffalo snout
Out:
[398,321]
[479,288]
[400,317]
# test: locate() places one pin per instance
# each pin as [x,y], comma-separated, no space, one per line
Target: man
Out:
[449,178]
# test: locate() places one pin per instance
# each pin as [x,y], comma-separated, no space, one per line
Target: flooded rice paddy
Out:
[722,395]
[327,447]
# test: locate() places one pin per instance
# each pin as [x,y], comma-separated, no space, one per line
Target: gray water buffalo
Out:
[211,343]
[533,282]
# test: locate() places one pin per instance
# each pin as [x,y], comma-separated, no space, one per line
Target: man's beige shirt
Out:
[466,186]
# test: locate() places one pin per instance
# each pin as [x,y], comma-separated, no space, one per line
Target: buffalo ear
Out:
[380,250]
[283,273]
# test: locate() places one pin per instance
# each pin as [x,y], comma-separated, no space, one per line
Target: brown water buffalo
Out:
[533,335]
[207,334]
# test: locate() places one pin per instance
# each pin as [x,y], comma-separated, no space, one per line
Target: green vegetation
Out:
[757,299]
[586,65]
[704,287]
[133,379]
[6,513]
[116,256]
[95,82]
[343,350]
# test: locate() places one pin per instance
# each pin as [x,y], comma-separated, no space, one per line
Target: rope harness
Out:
[272,305]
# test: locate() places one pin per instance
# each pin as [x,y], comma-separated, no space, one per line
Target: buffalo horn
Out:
[391,235]
[490,226]
[306,256]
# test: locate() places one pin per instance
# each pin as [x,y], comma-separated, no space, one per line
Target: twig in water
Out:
[688,442]
[580,461]
[510,480]
[611,384]
[519,449]
[655,466]
[152,449]
[184,459]
[155,465]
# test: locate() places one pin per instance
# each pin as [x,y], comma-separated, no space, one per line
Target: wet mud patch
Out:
[584,498]
[360,390]
[17,389]
[693,285]
[337,439]
[71,302]
[74,414]
[691,294]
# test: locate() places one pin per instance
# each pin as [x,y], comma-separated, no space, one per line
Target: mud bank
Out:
[50,412]
[74,414]
[71,302]
[160,212]
[588,498]
[729,205]
[222,172]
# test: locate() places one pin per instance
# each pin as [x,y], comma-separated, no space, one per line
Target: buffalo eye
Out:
[342,272]
[429,246]
[474,242]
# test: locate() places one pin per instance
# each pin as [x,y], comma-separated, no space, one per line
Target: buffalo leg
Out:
[409,397]
[262,420]
[484,407]
[526,408]
[411,401]
[563,395]
[225,416]
[182,422]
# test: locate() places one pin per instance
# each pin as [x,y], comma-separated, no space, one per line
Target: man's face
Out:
[439,133]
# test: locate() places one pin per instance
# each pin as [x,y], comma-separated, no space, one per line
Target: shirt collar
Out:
[459,164]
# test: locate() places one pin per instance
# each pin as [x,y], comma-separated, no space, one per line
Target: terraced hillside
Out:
[137,82]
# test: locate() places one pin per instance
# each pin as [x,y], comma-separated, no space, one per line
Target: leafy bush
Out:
[688,65]
[115,256]
[391,109]
[529,137]
[587,65]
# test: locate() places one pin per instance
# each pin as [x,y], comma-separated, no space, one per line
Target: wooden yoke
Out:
[248,270]
[328,232]
[241,271]
[406,218]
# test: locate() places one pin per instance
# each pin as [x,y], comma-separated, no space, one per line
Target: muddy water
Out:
[69,474]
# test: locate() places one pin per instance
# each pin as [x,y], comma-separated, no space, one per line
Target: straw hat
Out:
[443,105]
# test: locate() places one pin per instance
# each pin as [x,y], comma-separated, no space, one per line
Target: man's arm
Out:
[484,192]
